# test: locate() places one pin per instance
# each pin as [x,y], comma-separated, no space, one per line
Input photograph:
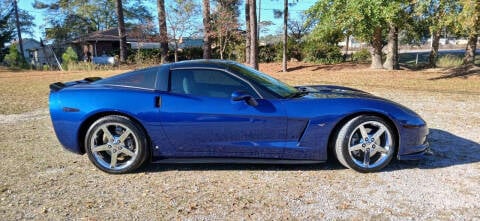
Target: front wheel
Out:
[365,144]
[115,144]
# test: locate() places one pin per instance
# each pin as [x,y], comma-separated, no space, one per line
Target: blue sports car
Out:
[222,111]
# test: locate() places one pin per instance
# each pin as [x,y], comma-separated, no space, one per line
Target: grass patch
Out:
[28,90]
[449,61]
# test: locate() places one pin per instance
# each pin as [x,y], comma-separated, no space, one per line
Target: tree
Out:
[69,57]
[181,20]
[299,28]
[6,31]
[121,31]
[162,23]
[285,35]
[398,16]
[247,32]
[439,14]
[253,34]
[225,30]
[207,48]
[14,59]
[364,19]
[470,25]
[8,22]
[19,31]
[72,19]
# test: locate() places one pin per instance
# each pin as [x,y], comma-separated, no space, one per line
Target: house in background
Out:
[37,54]
[103,46]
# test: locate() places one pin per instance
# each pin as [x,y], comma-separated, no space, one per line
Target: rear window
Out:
[145,78]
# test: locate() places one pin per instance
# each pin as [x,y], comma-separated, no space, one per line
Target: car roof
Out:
[202,63]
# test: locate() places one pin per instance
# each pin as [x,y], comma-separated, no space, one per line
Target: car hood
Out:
[360,98]
[332,91]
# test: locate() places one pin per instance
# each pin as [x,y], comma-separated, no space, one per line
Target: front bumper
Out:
[413,142]
[424,150]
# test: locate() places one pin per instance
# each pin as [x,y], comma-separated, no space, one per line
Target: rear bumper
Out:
[424,150]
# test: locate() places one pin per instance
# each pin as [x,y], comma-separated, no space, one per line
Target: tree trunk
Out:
[346,48]
[19,32]
[391,63]
[175,54]
[121,31]
[285,35]
[432,59]
[376,52]
[221,44]
[253,34]
[162,23]
[207,50]
[247,35]
[470,50]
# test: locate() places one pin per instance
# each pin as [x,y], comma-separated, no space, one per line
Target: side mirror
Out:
[242,95]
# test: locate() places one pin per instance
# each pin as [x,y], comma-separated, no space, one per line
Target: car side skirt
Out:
[232,161]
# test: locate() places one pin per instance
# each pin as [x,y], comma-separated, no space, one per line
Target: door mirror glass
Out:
[242,95]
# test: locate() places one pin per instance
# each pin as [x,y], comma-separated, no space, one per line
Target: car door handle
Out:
[158,101]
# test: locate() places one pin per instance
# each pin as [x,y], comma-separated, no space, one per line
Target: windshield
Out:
[265,81]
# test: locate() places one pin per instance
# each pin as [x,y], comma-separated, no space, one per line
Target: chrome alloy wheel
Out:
[114,146]
[370,144]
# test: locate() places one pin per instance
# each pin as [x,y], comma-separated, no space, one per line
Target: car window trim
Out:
[132,87]
[216,69]
[132,73]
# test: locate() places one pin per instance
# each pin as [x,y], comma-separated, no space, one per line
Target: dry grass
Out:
[28,90]
[24,91]
[361,76]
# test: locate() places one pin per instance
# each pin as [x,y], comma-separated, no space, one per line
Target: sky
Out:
[266,13]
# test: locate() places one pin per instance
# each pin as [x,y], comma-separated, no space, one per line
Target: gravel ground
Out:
[41,181]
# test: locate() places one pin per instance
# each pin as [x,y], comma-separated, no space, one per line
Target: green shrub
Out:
[362,55]
[323,53]
[69,57]
[14,59]
[268,53]
[294,50]
[449,61]
[145,57]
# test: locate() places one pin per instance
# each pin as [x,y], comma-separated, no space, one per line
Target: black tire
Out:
[115,144]
[365,134]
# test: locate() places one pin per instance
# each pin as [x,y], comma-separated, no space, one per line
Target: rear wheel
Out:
[115,144]
[365,144]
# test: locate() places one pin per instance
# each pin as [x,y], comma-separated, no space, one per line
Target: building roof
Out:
[134,34]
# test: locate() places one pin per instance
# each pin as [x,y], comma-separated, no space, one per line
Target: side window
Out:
[145,78]
[209,83]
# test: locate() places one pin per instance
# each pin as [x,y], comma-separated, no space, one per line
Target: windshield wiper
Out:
[297,94]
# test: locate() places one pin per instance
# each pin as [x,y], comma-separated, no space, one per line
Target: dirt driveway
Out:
[41,181]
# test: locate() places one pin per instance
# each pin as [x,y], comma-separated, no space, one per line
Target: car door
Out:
[201,120]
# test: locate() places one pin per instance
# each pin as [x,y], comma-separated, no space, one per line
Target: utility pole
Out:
[19,32]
